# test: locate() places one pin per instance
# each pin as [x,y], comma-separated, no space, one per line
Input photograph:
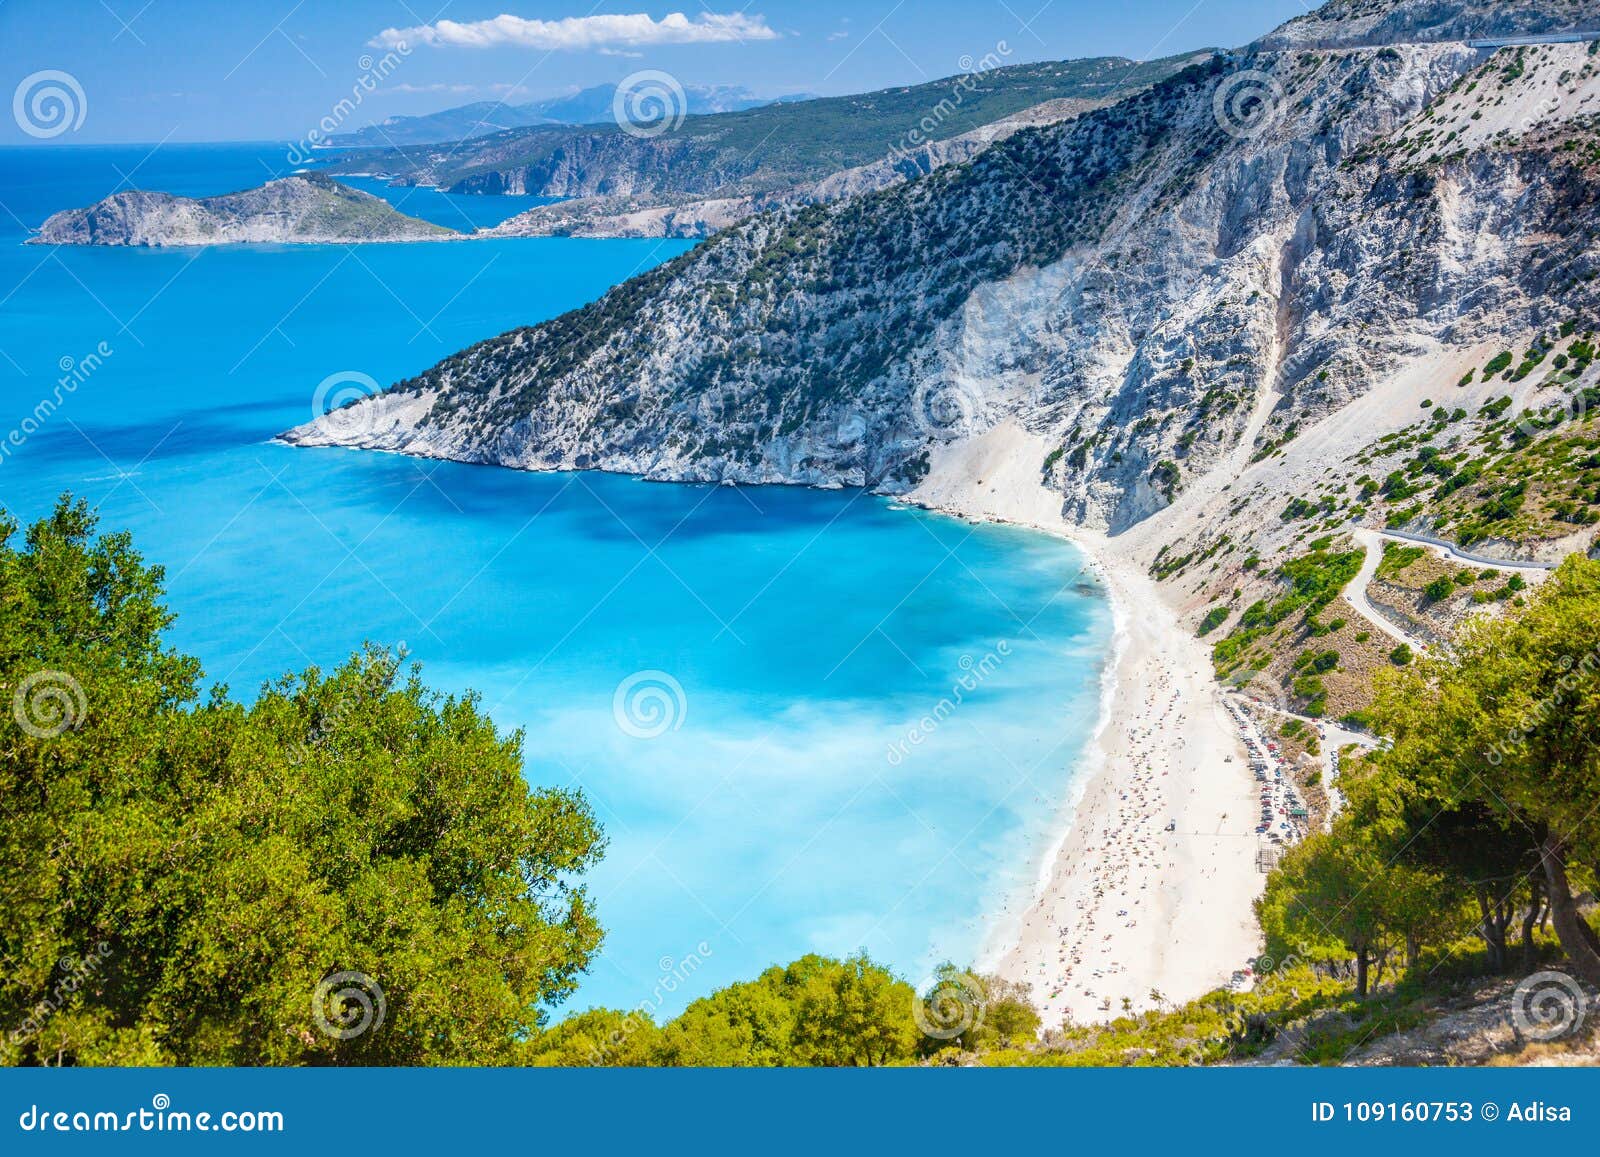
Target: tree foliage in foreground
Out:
[181,874]
[818,1011]
[1485,810]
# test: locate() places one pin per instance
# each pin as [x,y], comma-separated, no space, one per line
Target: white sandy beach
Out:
[1124,907]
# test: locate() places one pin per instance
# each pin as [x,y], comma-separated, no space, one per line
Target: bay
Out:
[871,713]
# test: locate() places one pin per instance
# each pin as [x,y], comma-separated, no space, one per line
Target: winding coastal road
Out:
[1534,40]
[1452,551]
[1372,542]
[1356,593]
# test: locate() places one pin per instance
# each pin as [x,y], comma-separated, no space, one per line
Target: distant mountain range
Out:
[588,106]
[755,150]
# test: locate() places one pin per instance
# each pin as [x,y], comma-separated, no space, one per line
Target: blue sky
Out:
[191,70]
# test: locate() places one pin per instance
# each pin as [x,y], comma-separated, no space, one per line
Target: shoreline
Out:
[1122,907]
[1004,929]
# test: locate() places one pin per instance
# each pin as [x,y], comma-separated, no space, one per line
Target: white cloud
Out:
[582,33]
[414,88]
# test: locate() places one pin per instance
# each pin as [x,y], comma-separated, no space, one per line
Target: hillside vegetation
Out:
[753,150]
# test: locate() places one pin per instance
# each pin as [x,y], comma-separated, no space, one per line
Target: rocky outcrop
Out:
[607,163]
[301,209]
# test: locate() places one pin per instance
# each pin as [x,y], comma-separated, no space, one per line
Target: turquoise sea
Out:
[783,642]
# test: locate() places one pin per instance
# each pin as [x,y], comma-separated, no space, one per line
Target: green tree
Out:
[748,1024]
[1510,719]
[972,1011]
[1463,849]
[1327,894]
[854,1013]
[351,869]
[598,1037]
[1010,1016]
[816,1011]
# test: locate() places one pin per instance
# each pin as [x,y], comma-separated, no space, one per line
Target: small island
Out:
[303,209]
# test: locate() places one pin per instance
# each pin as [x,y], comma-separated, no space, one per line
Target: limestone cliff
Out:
[1187,278]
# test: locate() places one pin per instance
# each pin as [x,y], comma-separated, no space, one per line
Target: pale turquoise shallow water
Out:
[808,631]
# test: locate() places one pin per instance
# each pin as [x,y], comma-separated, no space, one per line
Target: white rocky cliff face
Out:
[1182,279]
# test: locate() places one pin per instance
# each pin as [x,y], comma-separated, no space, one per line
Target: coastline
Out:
[1004,926]
[1122,908]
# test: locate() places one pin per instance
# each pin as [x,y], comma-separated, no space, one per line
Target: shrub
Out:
[1439,589]
[1167,477]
